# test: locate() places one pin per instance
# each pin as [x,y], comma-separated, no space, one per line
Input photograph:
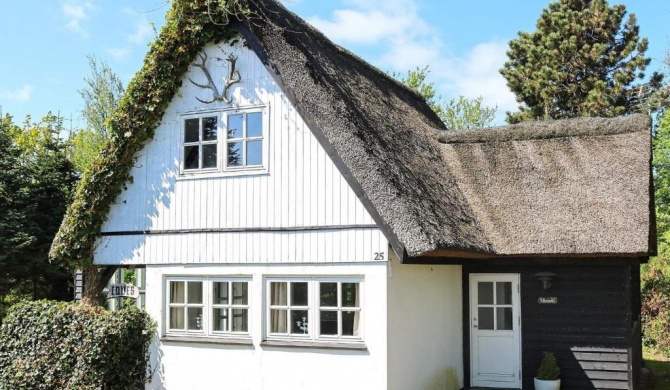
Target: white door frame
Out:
[495,355]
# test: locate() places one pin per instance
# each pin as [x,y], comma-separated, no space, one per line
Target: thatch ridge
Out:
[574,127]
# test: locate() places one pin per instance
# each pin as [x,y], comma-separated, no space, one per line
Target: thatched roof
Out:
[566,187]
[579,186]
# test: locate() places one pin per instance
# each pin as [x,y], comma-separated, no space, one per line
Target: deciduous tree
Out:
[457,114]
[101,96]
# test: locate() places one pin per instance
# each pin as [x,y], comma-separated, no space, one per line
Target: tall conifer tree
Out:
[584,59]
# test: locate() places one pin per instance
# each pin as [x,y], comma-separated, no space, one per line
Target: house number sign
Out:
[123,290]
[547,300]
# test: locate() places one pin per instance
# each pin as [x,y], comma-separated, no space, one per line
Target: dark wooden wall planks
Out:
[593,329]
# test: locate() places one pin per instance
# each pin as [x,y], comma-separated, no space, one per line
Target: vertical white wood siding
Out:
[301,189]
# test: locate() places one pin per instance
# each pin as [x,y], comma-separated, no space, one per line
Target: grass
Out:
[659,367]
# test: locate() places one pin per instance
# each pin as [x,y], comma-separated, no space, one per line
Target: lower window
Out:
[314,309]
[212,306]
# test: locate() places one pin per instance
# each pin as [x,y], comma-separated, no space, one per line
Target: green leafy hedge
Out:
[656,304]
[58,345]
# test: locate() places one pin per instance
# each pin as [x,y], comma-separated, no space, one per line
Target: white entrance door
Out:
[495,330]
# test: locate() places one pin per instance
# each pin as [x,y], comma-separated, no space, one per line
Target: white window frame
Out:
[207,306]
[313,309]
[222,141]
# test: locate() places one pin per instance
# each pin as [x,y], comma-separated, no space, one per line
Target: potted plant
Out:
[547,374]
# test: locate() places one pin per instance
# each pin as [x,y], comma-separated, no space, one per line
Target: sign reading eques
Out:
[123,290]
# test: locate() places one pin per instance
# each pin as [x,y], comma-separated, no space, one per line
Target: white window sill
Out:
[314,344]
[208,340]
[215,174]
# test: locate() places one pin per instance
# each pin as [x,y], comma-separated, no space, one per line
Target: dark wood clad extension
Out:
[591,330]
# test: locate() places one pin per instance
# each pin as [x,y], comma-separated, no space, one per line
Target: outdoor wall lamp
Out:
[545,278]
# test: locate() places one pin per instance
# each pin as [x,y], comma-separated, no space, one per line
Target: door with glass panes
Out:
[495,330]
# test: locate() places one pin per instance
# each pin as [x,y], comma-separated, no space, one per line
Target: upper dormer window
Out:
[227,142]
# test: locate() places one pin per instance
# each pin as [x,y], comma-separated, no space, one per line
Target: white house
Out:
[304,222]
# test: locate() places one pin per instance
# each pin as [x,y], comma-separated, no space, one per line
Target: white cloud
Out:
[22,94]
[75,13]
[366,24]
[118,53]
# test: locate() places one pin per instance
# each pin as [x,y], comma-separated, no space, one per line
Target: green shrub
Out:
[58,345]
[656,306]
[549,369]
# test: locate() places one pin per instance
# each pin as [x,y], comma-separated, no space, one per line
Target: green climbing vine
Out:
[190,24]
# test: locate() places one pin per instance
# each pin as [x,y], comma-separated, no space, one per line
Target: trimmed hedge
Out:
[58,345]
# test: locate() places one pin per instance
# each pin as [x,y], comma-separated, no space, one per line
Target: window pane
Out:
[220,320]
[234,154]
[254,152]
[209,156]
[220,293]
[191,157]
[192,130]
[350,295]
[209,129]
[240,293]
[485,318]
[328,293]
[350,323]
[504,318]
[255,124]
[194,318]
[299,294]
[240,320]
[328,323]
[235,126]
[176,292]
[176,318]
[299,322]
[278,293]
[194,292]
[278,321]
[485,293]
[504,293]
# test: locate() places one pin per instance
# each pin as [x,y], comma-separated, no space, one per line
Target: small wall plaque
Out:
[123,290]
[547,300]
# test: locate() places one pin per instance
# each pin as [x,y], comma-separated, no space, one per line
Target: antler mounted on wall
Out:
[233,78]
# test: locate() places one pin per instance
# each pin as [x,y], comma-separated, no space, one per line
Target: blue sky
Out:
[45,43]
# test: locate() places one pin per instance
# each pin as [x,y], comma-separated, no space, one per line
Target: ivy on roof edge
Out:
[189,25]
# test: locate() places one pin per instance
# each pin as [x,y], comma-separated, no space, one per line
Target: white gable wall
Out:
[256,218]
